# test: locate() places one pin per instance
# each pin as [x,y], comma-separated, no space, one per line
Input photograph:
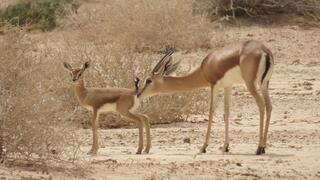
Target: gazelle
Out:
[249,63]
[103,100]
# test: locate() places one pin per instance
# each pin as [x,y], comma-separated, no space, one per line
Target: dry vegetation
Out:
[144,26]
[33,113]
[258,8]
[36,14]
[39,113]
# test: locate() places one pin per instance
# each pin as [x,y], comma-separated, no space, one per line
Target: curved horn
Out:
[162,61]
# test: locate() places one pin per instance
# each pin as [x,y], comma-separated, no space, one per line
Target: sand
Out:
[293,150]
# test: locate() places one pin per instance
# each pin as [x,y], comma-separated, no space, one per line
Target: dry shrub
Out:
[36,14]
[236,8]
[144,25]
[112,66]
[39,112]
[34,122]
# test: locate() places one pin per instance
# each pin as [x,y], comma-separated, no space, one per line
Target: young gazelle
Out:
[103,100]
[249,63]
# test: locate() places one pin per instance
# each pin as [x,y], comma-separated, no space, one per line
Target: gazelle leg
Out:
[213,95]
[1,147]
[261,105]
[94,127]
[265,93]
[146,123]
[227,100]
[138,122]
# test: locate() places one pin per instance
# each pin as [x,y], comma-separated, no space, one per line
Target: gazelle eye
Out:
[148,81]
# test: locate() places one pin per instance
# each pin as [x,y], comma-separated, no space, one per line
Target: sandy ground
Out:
[293,150]
[294,138]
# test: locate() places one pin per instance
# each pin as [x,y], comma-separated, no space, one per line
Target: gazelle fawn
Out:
[103,100]
[250,63]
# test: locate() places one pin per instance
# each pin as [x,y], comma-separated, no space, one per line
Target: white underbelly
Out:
[231,77]
[136,104]
[108,107]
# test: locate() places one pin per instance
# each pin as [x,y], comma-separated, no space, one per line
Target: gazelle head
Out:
[76,73]
[154,81]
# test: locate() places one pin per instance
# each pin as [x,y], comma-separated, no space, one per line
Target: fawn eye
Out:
[148,81]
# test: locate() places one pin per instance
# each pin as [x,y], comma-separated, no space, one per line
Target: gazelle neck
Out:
[80,90]
[189,82]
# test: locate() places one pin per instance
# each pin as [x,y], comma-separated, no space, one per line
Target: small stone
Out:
[53,151]
[307,83]
[308,88]
[186,140]
[239,164]
[296,62]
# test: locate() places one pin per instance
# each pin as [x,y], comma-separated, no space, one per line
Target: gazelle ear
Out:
[136,80]
[136,83]
[85,65]
[172,68]
[67,66]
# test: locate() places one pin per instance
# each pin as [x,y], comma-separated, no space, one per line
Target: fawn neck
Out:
[80,90]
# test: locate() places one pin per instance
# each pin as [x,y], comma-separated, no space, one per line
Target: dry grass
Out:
[40,114]
[144,26]
[111,66]
[33,118]
[256,8]
[36,14]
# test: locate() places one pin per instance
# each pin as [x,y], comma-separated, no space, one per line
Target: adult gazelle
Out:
[250,63]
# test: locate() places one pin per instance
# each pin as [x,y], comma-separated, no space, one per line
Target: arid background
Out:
[45,134]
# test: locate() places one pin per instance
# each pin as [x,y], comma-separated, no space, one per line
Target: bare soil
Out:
[293,150]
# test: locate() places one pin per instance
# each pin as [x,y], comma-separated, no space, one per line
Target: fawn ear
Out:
[67,66]
[136,83]
[136,79]
[85,65]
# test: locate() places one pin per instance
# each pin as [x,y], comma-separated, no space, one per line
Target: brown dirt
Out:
[294,138]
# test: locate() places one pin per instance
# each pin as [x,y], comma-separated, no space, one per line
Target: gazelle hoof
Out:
[92,152]
[203,150]
[146,151]
[226,149]
[260,151]
[139,151]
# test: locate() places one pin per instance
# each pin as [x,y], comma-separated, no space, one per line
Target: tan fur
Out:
[102,100]
[219,70]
